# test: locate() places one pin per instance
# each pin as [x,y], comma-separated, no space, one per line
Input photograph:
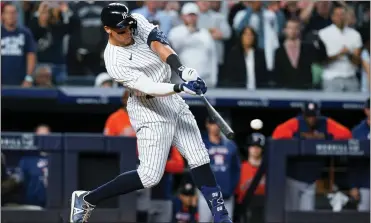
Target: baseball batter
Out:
[138,55]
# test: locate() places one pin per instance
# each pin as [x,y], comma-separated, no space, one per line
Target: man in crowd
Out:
[302,175]
[293,60]
[339,74]
[225,163]
[18,48]
[43,76]
[217,25]
[195,46]
[359,170]
[151,11]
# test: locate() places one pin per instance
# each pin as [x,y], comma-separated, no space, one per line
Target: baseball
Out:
[256,124]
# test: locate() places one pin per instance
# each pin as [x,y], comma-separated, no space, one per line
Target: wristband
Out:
[174,62]
[28,78]
[177,88]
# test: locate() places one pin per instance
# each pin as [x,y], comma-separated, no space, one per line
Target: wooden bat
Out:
[215,116]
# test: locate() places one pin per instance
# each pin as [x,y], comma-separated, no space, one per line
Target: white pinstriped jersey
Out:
[127,64]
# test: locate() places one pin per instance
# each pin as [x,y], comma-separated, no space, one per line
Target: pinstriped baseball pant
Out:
[160,123]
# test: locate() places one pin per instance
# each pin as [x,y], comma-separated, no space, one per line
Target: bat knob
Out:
[230,135]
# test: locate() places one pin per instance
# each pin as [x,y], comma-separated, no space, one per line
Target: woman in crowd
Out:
[245,64]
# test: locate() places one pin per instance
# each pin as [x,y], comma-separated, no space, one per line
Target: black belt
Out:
[147,96]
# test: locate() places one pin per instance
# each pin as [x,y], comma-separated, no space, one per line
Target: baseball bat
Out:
[215,116]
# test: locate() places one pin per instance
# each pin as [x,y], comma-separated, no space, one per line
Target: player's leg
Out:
[188,140]
[308,196]
[154,142]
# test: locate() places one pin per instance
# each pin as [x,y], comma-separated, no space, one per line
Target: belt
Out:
[147,96]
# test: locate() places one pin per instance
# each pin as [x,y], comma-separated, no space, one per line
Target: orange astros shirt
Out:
[118,124]
[248,172]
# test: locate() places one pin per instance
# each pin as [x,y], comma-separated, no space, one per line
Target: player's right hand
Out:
[188,74]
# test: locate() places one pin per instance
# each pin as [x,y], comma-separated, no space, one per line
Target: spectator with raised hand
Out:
[339,73]
[245,65]
[51,23]
[217,25]
[293,60]
[18,48]
[43,77]
[265,23]
[315,15]
[195,46]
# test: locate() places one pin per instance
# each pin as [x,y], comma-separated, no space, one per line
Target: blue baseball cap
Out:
[311,109]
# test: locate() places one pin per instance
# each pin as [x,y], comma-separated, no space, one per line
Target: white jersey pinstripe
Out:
[161,121]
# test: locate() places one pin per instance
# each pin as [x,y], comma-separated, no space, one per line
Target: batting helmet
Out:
[256,139]
[116,15]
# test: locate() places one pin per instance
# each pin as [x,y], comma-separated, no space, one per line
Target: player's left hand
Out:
[194,87]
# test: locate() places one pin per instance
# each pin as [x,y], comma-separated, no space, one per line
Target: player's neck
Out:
[116,43]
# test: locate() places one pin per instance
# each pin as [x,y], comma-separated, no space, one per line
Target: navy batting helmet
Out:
[256,139]
[117,16]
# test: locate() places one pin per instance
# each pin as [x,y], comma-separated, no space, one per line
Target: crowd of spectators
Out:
[232,44]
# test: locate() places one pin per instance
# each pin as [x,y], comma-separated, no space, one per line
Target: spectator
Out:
[105,81]
[245,64]
[171,9]
[265,24]
[359,171]
[300,187]
[217,25]
[34,172]
[151,10]
[249,167]
[185,202]
[43,76]
[118,123]
[292,68]
[225,163]
[315,15]
[87,39]
[339,73]
[365,75]
[195,47]
[291,9]
[51,23]
[18,56]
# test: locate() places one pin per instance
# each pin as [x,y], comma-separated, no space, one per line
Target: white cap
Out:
[101,78]
[190,8]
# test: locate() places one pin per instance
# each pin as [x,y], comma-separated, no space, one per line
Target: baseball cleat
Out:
[80,209]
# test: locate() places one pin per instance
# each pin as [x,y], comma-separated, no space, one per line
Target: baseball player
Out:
[138,55]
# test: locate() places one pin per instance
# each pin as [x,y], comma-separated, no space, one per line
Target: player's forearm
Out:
[147,86]
[31,63]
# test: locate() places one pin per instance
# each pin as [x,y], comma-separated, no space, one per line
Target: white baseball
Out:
[256,124]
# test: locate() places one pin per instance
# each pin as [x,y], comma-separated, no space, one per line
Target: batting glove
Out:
[192,87]
[188,74]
